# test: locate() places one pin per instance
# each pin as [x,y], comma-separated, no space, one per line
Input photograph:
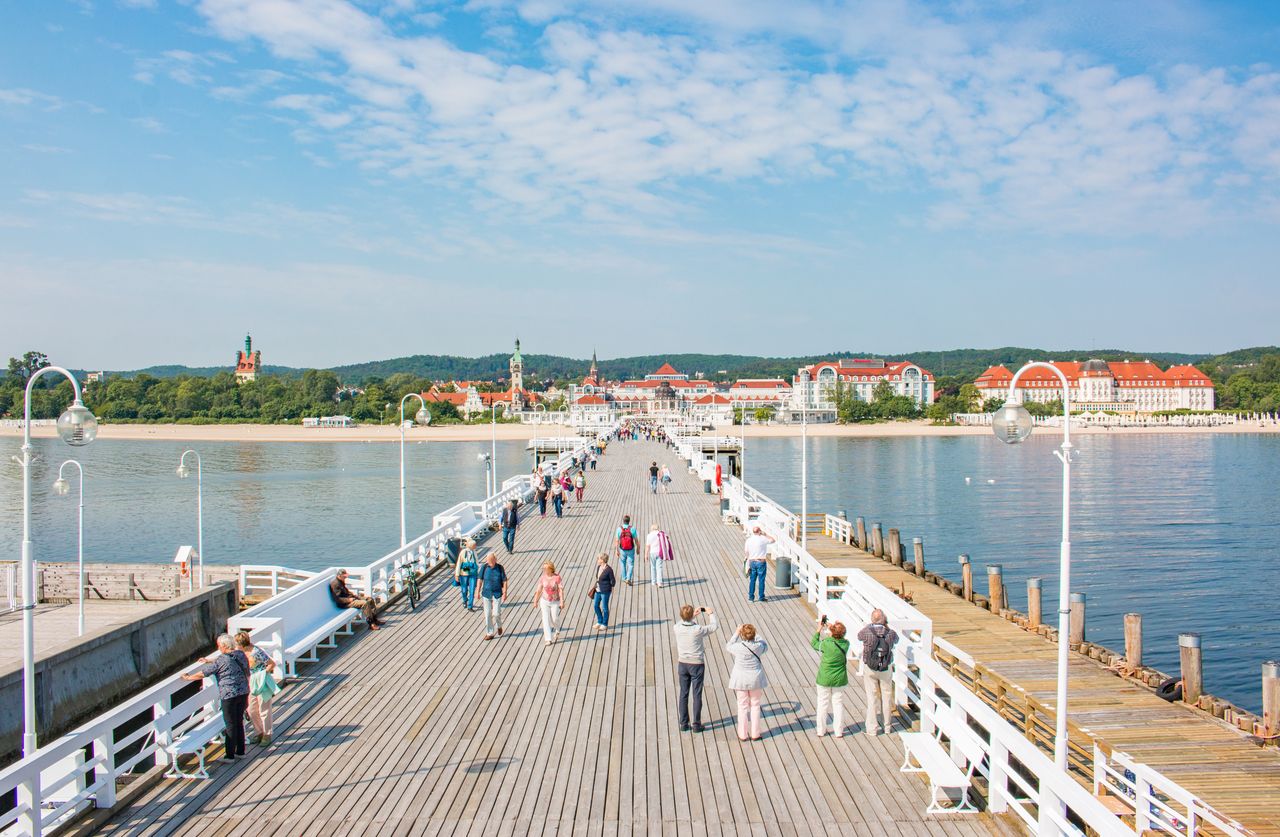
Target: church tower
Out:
[517,376]
[248,362]
[594,375]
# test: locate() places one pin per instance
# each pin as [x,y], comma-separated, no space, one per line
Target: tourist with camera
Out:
[747,679]
[691,656]
[833,675]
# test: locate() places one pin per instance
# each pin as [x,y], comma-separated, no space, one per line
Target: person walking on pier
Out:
[626,538]
[747,679]
[603,590]
[579,485]
[833,675]
[510,520]
[343,597]
[540,494]
[549,597]
[654,470]
[262,688]
[666,480]
[658,546]
[493,592]
[231,667]
[757,554]
[566,488]
[557,497]
[878,640]
[465,572]
[691,660]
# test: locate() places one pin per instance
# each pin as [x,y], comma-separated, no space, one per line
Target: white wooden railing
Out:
[267,580]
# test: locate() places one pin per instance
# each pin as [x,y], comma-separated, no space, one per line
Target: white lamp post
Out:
[1011,424]
[804,463]
[423,417]
[493,441]
[183,473]
[61,487]
[487,460]
[77,426]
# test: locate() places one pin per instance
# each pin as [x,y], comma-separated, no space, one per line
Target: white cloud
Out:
[26,97]
[610,119]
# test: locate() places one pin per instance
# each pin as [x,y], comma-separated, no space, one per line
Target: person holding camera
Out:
[878,640]
[691,656]
[833,675]
[747,679]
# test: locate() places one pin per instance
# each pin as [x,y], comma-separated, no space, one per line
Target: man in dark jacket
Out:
[343,597]
[510,520]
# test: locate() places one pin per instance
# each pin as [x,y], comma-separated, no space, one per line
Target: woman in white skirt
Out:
[548,597]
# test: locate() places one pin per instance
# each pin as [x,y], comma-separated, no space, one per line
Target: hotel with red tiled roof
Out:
[814,387]
[1107,386]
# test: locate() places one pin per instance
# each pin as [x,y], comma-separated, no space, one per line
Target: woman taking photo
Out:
[747,679]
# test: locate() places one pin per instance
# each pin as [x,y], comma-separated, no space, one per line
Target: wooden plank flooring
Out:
[1205,756]
[424,728]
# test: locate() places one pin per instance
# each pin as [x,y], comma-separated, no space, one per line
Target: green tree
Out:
[763,414]
[30,364]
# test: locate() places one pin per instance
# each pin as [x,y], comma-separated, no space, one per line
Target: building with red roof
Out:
[1107,386]
[248,362]
[815,387]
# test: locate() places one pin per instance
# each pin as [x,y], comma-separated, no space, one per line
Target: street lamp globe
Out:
[423,416]
[1012,423]
[482,457]
[183,472]
[77,426]
[61,487]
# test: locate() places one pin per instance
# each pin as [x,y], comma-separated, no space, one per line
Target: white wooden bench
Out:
[925,753]
[310,620]
[192,743]
[470,518]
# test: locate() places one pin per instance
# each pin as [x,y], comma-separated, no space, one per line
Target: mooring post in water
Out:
[917,544]
[1271,698]
[1192,667]
[1033,601]
[877,541]
[894,548]
[995,587]
[861,535]
[966,577]
[1077,620]
[1133,639]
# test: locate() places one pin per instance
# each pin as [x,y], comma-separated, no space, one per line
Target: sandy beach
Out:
[520,432]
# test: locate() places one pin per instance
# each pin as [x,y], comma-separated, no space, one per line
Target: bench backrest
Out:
[465,513]
[302,608]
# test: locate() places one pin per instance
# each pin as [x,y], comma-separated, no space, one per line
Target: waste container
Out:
[706,486]
[782,573]
[454,546]
[724,504]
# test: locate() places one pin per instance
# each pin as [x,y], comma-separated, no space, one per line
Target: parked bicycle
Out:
[408,578]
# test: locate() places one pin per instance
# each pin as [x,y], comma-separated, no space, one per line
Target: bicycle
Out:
[409,582]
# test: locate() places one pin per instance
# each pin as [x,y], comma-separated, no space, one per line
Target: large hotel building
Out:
[1107,386]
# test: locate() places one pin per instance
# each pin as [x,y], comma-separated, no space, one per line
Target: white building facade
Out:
[1107,386]
[815,388]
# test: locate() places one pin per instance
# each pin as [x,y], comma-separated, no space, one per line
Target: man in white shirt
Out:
[757,552]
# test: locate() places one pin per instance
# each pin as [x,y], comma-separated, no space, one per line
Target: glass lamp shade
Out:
[1012,423]
[422,416]
[77,426]
[61,487]
[482,457]
[183,471]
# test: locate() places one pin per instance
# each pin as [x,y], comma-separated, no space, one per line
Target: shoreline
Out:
[525,432]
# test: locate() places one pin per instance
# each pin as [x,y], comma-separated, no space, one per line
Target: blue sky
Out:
[360,179]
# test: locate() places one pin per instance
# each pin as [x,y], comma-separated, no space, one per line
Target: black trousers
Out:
[233,710]
[690,675]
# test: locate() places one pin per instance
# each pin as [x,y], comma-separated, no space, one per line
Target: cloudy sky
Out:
[360,179]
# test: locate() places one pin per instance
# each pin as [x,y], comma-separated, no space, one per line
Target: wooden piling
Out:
[894,547]
[966,578]
[1192,667]
[1271,698]
[917,544]
[877,541]
[1133,639]
[1077,620]
[861,535]
[995,587]
[1033,602]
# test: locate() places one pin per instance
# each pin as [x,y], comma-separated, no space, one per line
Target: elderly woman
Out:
[466,571]
[262,688]
[231,667]
[747,679]
[833,675]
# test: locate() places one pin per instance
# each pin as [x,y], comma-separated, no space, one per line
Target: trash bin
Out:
[782,573]
[706,486]
[454,546]
[724,504]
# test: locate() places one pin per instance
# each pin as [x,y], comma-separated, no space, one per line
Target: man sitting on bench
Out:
[343,597]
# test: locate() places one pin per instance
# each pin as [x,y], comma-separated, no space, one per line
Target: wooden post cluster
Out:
[1192,667]
[1034,612]
[966,578]
[861,536]
[917,546]
[1133,639]
[1077,620]
[877,541]
[995,587]
[895,547]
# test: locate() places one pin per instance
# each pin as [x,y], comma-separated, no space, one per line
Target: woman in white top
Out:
[747,679]
[549,596]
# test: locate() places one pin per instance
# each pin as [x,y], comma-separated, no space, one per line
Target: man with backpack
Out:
[626,538]
[878,640]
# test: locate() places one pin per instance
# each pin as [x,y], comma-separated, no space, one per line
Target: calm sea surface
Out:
[1182,528]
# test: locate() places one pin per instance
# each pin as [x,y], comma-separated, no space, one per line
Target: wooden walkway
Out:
[422,728]
[1204,755]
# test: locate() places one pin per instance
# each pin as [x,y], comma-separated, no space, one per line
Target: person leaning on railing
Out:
[343,597]
[231,668]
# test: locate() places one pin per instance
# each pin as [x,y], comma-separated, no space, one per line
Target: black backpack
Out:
[880,657]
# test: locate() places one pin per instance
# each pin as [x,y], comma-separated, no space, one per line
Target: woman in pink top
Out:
[548,597]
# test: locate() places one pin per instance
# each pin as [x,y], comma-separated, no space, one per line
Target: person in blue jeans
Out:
[465,572]
[626,538]
[604,589]
[757,554]
[510,520]
[653,477]
[557,498]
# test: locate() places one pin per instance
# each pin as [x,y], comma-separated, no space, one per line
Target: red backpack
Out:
[626,541]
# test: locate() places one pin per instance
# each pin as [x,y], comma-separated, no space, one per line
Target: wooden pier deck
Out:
[423,728]
[1205,756]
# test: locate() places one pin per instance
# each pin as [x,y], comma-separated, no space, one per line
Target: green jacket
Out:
[832,667]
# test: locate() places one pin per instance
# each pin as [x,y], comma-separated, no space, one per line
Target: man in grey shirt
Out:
[692,658]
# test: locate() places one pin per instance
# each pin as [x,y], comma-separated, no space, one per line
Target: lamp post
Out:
[493,441]
[183,473]
[1012,424]
[77,427]
[61,487]
[487,459]
[804,463]
[562,422]
[423,416]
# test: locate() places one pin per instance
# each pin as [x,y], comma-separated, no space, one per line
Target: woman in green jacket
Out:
[833,675]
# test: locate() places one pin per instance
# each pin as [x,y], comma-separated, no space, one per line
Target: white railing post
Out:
[158,713]
[997,776]
[104,749]
[275,581]
[30,823]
